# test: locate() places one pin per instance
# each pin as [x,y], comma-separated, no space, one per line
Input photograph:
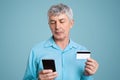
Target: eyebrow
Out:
[62,19]
[59,19]
[51,20]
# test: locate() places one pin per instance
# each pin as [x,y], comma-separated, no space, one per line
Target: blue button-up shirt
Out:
[67,66]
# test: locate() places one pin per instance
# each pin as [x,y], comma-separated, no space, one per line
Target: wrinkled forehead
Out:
[58,16]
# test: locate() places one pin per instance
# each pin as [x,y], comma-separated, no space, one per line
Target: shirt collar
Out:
[72,44]
[50,42]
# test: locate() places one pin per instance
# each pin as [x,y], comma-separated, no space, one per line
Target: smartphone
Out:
[49,64]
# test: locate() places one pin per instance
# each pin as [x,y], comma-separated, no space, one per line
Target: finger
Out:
[90,64]
[46,71]
[90,60]
[43,72]
[89,67]
[89,71]
[47,74]
[51,75]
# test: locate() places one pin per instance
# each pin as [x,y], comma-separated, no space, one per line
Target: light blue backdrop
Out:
[23,23]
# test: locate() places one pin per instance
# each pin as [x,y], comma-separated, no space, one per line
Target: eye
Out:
[52,22]
[62,21]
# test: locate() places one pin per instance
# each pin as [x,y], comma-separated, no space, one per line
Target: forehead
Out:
[61,16]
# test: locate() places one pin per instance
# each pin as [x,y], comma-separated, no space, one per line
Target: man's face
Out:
[60,26]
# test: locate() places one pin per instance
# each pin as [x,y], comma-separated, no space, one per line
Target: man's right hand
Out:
[47,75]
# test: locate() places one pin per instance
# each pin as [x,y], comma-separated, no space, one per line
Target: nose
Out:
[57,26]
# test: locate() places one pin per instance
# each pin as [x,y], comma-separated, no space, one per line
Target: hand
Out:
[91,66]
[47,75]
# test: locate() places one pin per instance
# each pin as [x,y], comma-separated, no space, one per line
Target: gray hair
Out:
[58,9]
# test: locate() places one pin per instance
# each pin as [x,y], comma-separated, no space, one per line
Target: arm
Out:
[31,71]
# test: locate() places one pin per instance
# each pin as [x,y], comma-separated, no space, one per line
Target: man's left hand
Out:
[91,66]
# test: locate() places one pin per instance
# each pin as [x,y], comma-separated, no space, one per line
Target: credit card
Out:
[83,55]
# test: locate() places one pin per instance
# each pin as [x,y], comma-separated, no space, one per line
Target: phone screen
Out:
[49,64]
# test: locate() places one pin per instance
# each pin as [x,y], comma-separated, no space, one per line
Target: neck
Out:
[62,43]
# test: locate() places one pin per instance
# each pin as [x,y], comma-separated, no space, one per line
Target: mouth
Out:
[58,32]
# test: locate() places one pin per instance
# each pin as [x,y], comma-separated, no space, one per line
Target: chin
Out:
[59,37]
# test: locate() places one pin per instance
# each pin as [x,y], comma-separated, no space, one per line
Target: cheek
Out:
[67,30]
[51,28]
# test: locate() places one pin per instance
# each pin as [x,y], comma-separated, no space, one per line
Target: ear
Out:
[72,23]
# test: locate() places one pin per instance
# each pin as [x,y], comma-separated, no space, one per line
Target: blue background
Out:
[23,23]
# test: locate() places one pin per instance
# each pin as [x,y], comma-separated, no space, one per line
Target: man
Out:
[60,48]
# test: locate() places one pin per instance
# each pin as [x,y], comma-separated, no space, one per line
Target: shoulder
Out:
[37,49]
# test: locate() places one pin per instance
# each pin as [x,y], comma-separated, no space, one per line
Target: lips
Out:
[57,32]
